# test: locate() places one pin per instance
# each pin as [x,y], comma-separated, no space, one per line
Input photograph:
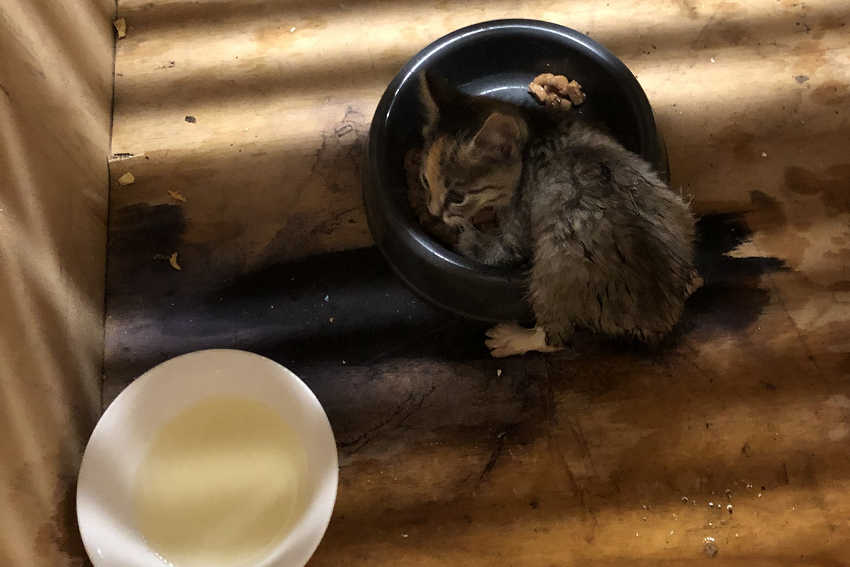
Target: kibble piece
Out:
[556,91]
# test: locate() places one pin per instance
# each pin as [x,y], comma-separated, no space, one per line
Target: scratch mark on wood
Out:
[592,537]
[364,437]
[494,457]
[418,405]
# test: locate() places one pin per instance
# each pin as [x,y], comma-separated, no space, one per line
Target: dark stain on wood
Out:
[141,239]
[840,286]
[831,93]
[339,161]
[828,23]
[831,22]
[842,255]
[144,231]
[832,186]
[732,33]
[739,141]
[61,532]
[720,33]
[280,311]
[767,214]
[688,8]
[810,57]
[742,146]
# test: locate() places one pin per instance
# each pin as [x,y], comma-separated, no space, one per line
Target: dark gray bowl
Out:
[498,58]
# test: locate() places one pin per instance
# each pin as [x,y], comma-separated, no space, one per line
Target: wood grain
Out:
[55,109]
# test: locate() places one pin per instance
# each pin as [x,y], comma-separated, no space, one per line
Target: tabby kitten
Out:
[611,246]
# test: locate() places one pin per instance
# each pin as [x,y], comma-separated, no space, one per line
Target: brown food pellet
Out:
[556,91]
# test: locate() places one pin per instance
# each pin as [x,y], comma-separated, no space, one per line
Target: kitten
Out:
[611,247]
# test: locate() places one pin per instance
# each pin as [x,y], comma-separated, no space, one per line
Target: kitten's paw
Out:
[509,339]
[460,224]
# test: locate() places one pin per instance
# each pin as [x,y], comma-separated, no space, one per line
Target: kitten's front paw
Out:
[470,243]
[459,224]
[509,339]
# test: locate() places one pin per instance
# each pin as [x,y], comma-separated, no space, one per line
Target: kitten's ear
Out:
[500,137]
[435,93]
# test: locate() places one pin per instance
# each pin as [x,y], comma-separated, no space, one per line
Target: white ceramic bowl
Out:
[105,507]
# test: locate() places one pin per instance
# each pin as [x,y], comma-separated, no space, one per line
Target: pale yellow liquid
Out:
[219,485]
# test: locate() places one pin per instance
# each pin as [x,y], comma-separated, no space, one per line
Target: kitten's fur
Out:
[611,246]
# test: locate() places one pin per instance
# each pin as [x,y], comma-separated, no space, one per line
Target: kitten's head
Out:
[472,157]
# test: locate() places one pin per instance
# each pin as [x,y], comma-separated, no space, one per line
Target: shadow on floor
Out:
[348,306]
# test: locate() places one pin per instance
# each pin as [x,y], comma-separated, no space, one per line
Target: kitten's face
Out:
[472,157]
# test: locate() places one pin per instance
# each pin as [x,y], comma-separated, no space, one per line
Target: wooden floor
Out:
[734,439]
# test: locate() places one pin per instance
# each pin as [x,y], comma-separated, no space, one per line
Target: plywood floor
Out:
[737,432]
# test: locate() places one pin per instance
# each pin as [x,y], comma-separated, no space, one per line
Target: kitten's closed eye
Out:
[454,197]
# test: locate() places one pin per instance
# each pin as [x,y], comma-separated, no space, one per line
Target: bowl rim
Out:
[153,388]
[377,153]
